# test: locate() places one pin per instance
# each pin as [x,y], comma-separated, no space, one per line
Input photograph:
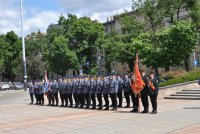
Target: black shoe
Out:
[114,109]
[52,104]
[106,108]
[154,112]
[100,108]
[66,105]
[145,111]
[128,106]
[87,107]
[93,108]
[134,111]
[62,105]
[111,106]
[71,106]
[119,106]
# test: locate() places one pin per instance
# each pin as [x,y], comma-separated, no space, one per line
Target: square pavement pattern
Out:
[18,117]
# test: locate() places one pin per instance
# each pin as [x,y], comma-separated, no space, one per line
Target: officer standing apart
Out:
[113,92]
[153,92]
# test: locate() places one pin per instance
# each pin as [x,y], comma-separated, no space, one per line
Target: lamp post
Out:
[23,46]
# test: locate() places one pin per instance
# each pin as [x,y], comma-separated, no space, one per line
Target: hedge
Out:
[190,76]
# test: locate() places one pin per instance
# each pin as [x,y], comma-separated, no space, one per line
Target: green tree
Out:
[60,57]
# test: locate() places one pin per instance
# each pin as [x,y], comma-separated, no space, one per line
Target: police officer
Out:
[153,92]
[50,93]
[113,91]
[54,88]
[36,92]
[31,91]
[69,88]
[61,91]
[87,93]
[92,92]
[99,89]
[105,91]
[145,92]
[127,90]
[135,97]
[42,90]
[75,91]
[119,94]
[80,92]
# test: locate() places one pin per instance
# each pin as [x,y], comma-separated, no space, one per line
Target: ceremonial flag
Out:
[139,84]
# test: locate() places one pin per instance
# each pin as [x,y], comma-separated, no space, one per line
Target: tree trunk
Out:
[187,66]
[131,65]
[166,69]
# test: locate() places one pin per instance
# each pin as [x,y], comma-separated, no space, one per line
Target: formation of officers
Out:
[86,92]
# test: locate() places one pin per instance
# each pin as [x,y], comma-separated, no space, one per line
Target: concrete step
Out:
[183,97]
[194,95]
[191,90]
[188,92]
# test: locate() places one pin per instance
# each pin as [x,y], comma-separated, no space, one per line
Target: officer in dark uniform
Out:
[127,90]
[80,92]
[93,91]
[41,92]
[69,88]
[31,91]
[119,94]
[99,89]
[106,86]
[145,92]
[36,92]
[86,93]
[113,91]
[54,89]
[61,89]
[75,91]
[153,92]
[50,93]
[134,97]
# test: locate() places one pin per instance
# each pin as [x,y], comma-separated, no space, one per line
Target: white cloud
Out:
[34,19]
[96,9]
[38,19]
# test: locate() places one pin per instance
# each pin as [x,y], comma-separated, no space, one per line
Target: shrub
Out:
[190,76]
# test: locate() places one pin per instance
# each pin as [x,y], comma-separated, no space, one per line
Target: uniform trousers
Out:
[105,96]
[113,97]
[127,97]
[153,99]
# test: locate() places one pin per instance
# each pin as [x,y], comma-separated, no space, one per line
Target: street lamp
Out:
[23,47]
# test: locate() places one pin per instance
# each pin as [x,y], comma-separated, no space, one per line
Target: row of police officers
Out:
[86,92]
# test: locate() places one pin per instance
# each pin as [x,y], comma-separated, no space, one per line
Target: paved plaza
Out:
[18,117]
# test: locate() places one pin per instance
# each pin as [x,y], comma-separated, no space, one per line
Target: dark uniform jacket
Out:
[99,87]
[126,87]
[154,81]
[114,86]
[86,87]
[106,86]
[121,83]
[145,79]
[93,87]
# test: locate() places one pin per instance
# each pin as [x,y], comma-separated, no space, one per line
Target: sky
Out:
[39,14]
